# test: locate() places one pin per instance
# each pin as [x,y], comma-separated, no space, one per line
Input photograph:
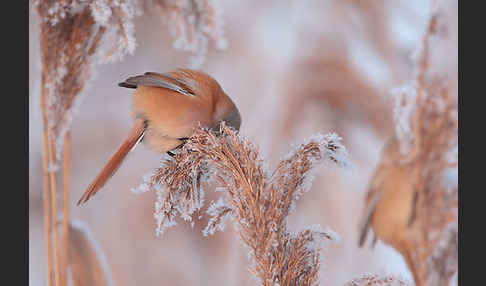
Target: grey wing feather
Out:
[158,80]
[413,214]
[183,84]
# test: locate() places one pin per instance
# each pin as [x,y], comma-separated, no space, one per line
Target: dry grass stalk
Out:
[257,201]
[52,176]
[65,205]
[375,280]
[86,260]
[45,188]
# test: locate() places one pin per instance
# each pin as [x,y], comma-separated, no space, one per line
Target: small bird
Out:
[391,205]
[166,108]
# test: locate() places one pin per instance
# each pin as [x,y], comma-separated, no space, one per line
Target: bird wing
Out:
[366,222]
[372,198]
[413,213]
[154,79]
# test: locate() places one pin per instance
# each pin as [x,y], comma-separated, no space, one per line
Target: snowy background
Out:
[294,68]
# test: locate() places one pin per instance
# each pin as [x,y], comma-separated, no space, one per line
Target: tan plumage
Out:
[166,108]
[390,208]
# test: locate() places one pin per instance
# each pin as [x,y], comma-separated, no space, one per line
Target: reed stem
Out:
[45,187]
[65,203]
[52,175]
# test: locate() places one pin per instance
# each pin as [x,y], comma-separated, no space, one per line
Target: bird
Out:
[166,109]
[391,205]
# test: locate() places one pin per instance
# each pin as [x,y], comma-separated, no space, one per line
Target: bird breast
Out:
[393,211]
[169,115]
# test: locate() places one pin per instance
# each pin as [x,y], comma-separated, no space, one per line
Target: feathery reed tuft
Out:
[257,201]
[192,24]
[71,36]
[375,280]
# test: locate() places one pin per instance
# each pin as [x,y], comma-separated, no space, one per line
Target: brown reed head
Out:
[193,24]
[375,280]
[74,36]
[258,201]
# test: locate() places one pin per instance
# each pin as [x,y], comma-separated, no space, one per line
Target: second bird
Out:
[166,108]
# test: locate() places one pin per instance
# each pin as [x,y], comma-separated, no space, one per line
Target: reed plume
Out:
[193,24]
[375,280]
[257,201]
[75,35]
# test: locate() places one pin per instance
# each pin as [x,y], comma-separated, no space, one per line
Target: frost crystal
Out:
[120,38]
[334,151]
[145,185]
[405,105]
[193,24]
[319,236]
[75,36]
[101,11]
[368,280]
[219,213]
[296,172]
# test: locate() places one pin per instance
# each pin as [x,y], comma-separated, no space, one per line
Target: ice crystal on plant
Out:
[219,213]
[145,185]
[334,236]
[319,236]
[192,24]
[375,280]
[101,11]
[120,38]
[444,259]
[318,148]
[72,43]
[333,150]
[405,106]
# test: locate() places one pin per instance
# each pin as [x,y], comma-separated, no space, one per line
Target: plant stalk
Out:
[45,186]
[65,204]
[52,175]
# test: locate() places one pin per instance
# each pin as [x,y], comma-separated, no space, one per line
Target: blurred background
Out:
[294,68]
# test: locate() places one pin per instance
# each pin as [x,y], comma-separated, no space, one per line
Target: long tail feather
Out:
[366,222]
[136,134]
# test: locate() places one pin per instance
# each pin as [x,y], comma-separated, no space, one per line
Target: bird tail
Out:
[366,222]
[135,136]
